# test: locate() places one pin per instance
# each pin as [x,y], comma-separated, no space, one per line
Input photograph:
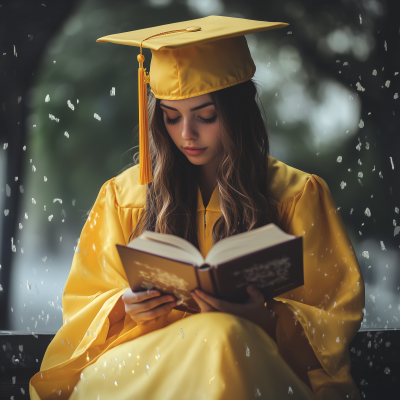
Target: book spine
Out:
[206,281]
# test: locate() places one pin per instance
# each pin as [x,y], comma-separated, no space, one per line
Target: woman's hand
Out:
[147,307]
[254,309]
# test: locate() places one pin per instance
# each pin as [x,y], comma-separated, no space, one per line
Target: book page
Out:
[169,246]
[247,243]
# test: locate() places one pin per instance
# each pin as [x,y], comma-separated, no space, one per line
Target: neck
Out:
[208,174]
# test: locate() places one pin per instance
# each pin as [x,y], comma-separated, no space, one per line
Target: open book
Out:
[267,258]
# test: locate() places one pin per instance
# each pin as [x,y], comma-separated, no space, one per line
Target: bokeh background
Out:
[329,84]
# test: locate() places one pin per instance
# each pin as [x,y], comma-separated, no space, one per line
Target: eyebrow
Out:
[192,109]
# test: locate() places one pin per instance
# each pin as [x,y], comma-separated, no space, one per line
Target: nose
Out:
[189,132]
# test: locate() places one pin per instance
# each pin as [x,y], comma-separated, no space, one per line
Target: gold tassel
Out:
[145,175]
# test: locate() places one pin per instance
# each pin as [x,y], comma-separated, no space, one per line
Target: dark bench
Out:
[375,362]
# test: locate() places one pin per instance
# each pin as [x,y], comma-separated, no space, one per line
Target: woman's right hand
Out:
[148,306]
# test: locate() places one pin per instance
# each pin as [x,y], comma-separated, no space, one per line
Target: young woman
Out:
[211,178]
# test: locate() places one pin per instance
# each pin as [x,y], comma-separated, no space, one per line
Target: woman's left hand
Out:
[253,310]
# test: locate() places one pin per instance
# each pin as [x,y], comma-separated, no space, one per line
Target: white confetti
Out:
[33,168]
[385,45]
[247,350]
[365,254]
[339,159]
[372,297]
[97,117]
[290,391]
[337,340]
[13,248]
[343,185]
[361,124]
[5,145]
[26,216]
[70,105]
[387,84]
[391,161]
[396,230]
[396,96]
[396,210]
[383,246]
[367,212]
[387,371]
[33,201]
[359,87]
[59,200]
[20,226]
[374,72]
[53,118]
[112,91]
[66,134]
[380,174]
[50,217]
[47,99]
[360,174]
[8,190]
[6,212]
[360,19]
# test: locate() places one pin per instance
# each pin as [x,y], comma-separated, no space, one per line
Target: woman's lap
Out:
[206,356]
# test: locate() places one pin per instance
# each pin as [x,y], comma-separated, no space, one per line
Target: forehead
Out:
[188,103]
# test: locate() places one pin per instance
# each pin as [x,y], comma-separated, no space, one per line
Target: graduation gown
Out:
[209,355]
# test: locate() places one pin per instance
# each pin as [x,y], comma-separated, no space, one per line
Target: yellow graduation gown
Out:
[210,355]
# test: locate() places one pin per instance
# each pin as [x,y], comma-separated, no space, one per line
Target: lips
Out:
[194,151]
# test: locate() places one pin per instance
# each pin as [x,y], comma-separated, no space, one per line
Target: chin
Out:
[197,160]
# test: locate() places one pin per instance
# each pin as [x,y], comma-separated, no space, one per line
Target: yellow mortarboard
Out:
[189,59]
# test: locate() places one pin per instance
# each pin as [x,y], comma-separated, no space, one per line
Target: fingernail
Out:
[179,302]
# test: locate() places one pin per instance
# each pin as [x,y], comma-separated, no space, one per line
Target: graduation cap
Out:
[189,59]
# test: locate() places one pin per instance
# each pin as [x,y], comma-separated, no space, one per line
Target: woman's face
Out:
[193,125]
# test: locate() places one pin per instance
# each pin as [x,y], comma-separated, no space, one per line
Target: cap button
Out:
[193,29]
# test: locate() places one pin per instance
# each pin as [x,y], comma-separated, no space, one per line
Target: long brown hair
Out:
[171,199]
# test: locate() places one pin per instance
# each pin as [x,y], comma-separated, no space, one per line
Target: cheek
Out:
[174,132]
[212,134]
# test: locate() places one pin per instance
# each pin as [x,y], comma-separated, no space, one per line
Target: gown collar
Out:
[213,204]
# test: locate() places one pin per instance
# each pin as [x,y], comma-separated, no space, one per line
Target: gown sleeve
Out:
[95,283]
[318,321]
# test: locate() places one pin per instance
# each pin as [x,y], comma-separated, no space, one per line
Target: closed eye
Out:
[209,120]
[172,121]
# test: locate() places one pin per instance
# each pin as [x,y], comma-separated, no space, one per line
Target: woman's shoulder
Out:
[128,192]
[285,182]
